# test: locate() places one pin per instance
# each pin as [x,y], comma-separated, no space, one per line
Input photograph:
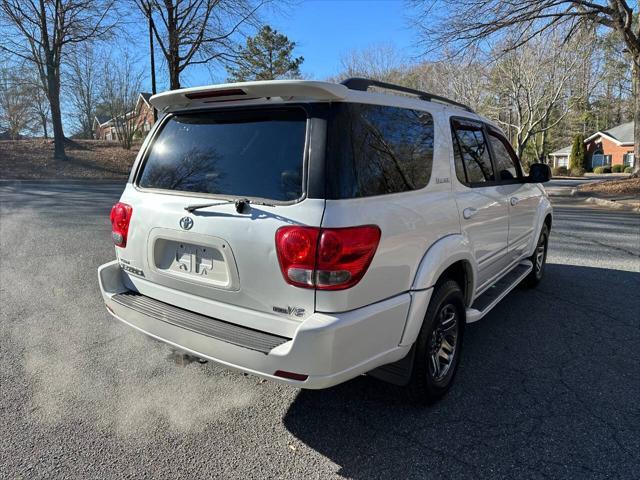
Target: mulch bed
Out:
[627,186]
[87,159]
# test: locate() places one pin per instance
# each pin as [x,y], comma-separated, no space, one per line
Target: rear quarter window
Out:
[377,150]
[252,153]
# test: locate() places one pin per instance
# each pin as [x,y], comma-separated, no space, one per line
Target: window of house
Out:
[505,159]
[628,159]
[471,153]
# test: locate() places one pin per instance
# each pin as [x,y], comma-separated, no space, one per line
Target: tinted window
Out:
[472,159]
[505,159]
[250,153]
[377,150]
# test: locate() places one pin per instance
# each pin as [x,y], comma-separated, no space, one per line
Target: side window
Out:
[471,152]
[377,150]
[506,161]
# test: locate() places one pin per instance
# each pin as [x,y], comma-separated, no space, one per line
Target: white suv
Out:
[309,232]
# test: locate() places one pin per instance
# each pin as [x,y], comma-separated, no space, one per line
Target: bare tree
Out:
[464,78]
[121,86]
[83,86]
[379,62]
[531,83]
[39,31]
[473,21]
[40,108]
[15,105]
[192,32]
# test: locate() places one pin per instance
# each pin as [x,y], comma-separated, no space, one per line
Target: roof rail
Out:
[363,84]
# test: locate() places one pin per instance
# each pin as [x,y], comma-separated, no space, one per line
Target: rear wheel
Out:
[439,344]
[539,259]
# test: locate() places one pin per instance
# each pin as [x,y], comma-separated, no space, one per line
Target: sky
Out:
[325,30]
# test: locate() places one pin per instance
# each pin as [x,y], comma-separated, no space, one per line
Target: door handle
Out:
[467,213]
[514,201]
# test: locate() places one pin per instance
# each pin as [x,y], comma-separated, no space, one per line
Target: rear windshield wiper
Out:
[240,203]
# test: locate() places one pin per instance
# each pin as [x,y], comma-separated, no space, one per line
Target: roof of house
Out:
[621,134]
[103,118]
[562,152]
[146,96]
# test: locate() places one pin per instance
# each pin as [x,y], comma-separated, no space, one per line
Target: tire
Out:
[539,259]
[427,383]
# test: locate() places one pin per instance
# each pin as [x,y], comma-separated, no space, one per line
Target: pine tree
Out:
[578,157]
[267,56]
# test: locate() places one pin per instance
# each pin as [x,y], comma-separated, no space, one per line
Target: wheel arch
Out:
[450,257]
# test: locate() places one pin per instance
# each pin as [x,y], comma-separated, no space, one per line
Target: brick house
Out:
[605,147]
[611,147]
[141,116]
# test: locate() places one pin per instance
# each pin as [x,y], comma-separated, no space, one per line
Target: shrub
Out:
[577,172]
[559,171]
[598,170]
[628,169]
[617,168]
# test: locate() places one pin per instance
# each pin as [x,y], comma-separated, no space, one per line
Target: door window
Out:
[505,159]
[471,153]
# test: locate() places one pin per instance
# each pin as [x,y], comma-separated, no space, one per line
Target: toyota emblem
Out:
[186,223]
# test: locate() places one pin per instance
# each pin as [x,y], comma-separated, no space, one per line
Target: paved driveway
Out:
[549,386]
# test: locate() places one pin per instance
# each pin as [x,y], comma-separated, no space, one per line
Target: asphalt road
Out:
[549,385]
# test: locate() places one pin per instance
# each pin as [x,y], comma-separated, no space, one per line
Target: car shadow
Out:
[548,386]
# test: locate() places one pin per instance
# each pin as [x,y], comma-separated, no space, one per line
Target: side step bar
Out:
[489,299]
[211,327]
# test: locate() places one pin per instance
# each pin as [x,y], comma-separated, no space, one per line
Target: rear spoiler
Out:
[199,96]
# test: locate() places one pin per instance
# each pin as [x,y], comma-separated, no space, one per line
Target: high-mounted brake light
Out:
[120,218]
[215,93]
[326,258]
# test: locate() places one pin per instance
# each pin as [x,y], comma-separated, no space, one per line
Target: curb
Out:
[611,204]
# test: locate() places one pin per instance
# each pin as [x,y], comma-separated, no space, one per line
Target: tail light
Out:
[326,258]
[120,218]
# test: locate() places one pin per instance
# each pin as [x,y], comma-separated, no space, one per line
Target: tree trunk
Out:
[174,75]
[174,50]
[53,87]
[636,114]
[44,126]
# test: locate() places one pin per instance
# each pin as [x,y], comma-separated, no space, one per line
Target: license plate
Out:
[196,260]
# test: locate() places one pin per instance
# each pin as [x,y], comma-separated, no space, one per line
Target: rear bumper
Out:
[329,348]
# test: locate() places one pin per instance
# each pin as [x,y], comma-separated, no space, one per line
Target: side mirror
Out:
[539,173]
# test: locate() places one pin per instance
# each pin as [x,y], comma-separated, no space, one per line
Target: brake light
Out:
[215,93]
[120,218]
[326,258]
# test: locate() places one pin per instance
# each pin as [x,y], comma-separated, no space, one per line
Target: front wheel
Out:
[539,259]
[439,344]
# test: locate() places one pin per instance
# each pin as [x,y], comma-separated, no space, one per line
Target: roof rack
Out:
[363,84]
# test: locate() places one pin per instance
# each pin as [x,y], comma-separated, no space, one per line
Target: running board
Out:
[490,298]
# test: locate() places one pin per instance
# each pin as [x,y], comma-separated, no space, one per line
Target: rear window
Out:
[377,150]
[257,153]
